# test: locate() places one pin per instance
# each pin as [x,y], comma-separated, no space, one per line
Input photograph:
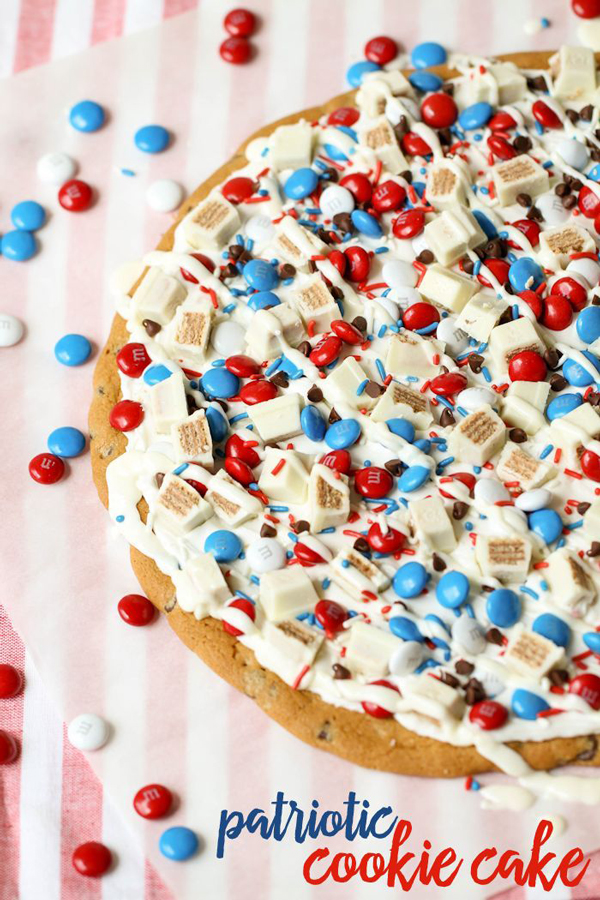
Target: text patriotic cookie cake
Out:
[359,385]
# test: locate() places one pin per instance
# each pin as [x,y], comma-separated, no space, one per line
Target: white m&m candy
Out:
[489,490]
[334,200]
[552,209]
[164,195]
[530,501]
[587,269]
[456,339]
[265,555]
[574,153]
[472,398]
[469,635]
[11,330]
[56,168]
[228,338]
[88,732]
[406,658]
[398,273]
[260,229]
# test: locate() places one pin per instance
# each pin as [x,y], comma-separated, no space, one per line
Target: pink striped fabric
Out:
[174,722]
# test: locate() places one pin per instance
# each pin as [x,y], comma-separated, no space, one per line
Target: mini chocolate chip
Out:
[594,549]
[476,362]
[159,477]
[361,545]
[537,83]
[509,289]
[245,257]
[438,563]
[552,357]
[493,636]
[572,115]
[312,266]
[305,348]
[280,379]
[449,679]
[517,435]
[334,417]
[558,676]
[330,174]
[593,398]
[562,189]
[576,183]
[587,112]
[287,270]
[558,382]
[467,265]
[524,200]
[151,327]
[487,588]
[463,667]
[447,418]
[343,222]
[336,292]
[341,672]
[191,404]
[522,143]
[315,394]
[494,248]
[300,526]
[374,390]
[425,257]
[569,202]
[401,128]
[360,322]
[267,530]
[535,214]
[474,692]
[583,507]
[448,88]
[235,251]
[459,510]
[407,175]
[229,271]
[394,466]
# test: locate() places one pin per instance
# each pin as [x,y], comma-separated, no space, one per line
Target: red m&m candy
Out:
[388,541]
[133,359]
[9,749]
[347,332]
[586,9]
[420,315]
[499,269]
[373,709]
[588,687]
[359,186]
[239,470]
[237,190]
[240,449]
[240,22]
[465,478]
[136,610]
[488,714]
[501,121]
[359,264]
[337,258]
[242,366]
[588,202]
[46,468]
[530,229]
[572,290]
[534,301]
[590,464]
[153,801]
[331,616]
[126,415]
[204,260]
[75,195]
[500,147]
[235,50]
[200,488]
[387,196]
[11,681]
[92,859]
[558,313]
[414,145]
[328,349]
[373,482]
[381,50]
[308,553]
[439,110]
[344,115]
[527,366]
[448,384]
[257,392]
[340,460]
[545,115]
[408,224]
[246,607]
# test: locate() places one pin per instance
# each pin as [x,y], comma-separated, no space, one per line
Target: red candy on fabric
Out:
[257,392]
[545,115]
[590,465]
[235,50]
[240,22]
[558,313]
[420,315]
[328,349]
[499,269]
[448,384]
[136,610]
[500,147]
[588,202]
[239,471]
[340,460]
[501,121]
[204,260]
[11,681]
[534,301]
[359,264]
[92,859]
[586,9]
[439,110]
[359,186]
[381,50]
[343,115]
[9,749]
[126,415]
[488,714]
[133,359]
[587,686]
[347,332]
[238,189]
[75,195]
[246,607]
[571,290]
[387,196]
[153,801]
[373,482]
[414,145]
[378,712]
[530,229]
[409,224]
[46,468]
[527,366]
[331,616]
[239,449]
[389,541]
[242,366]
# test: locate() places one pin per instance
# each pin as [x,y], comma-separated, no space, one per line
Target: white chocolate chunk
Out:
[511,338]
[574,72]
[558,244]
[445,189]
[450,234]
[369,650]
[189,331]
[192,440]
[504,558]
[285,593]
[296,643]
[283,476]
[433,523]
[277,419]
[268,326]
[574,430]
[400,401]
[379,87]
[201,583]
[342,385]
[530,654]
[412,354]
[315,303]
[157,296]
[291,146]
[478,437]
[432,698]
[230,501]
[380,139]
[328,498]
[447,288]
[167,403]
[295,244]
[179,507]
[357,575]
[212,222]
[480,315]
[524,404]
[571,586]
[511,83]
[519,175]
[515,464]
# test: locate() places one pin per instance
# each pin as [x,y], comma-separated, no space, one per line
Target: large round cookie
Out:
[375,743]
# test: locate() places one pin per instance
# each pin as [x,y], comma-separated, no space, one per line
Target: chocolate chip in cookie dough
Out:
[152,328]
[341,672]
[438,563]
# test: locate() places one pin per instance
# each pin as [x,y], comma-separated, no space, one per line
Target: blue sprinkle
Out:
[120,519]
[326,583]
[180,469]
[345,564]
[280,509]
[531,593]
[243,415]
[255,579]
[329,530]
[486,373]
[547,449]
[361,387]
[128,172]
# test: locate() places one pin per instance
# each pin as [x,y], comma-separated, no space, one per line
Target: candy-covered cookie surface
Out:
[360,390]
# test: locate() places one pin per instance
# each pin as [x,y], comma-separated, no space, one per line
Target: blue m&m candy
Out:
[588,324]
[312,423]
[18,245]
[594,173]
[335,152]
[154,374]
[87,115]
[178,843]
[525,274]
[563,405]
[365,223]
[218,423]
[66,442]
[503,608]
[423,444]
[591,639]
[410,579]
[152,138]
[475,116]
[72,349]
[224,545]
[405,628]
[486,225]
[413,478]
[425,81]
[28,215]
[579,376]
[547,524]
[553,628]
[300,184]
[219,382]
[428,54]
[452,589]
[358,70]
[403,428]
[342,434]
[261,275]
[527,705]
[262,300]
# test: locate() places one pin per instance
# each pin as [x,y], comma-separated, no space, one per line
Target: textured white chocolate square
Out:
[519,175]
[343,383]
[179,507]
[511,83]
[357,576]
[291,146]
[558,244]
[277,419]
[447,288]
[480,315]
[409,353]
[504,558]
[192,440]
[285,593]
[571,587]
[189,330]
[284,476]
[524,404]
[515,464]
[201,582]
[401,401]
[168,405]
[453,232]
[294,641]
[381,140]
[511,338]
[445,189]
[230,501]
[266,327]
[369,649]
[295,244]
[530,654]
[328,498]
[433,523]
[212,223]
[478,437]
[574,72]
[157,296]
[432,698]
[315,304]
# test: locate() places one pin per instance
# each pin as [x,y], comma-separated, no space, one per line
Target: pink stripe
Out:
[324,68]
[108,20]
[154,889]
[590,886]
[174,7]
[34,35]
[13,652]
[476,36]
[332,780]
[405,29]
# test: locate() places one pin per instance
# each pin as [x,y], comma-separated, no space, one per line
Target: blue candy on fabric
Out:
[547,524]
[261,275]
[403,428]
[219,382]
[475,116]
[405,628]
[312,423]
[425,81]
[527,705]
[262,300]
[87,115]
[152,138]
[428,54]
[587,324]
[553,628]
[413,478]
[28,215]
[301,183]
[66,442]
[18,245]
[410,579]
[342,434]
[224,545]
[358,70]
[563,405]
[218,424]
[155,374]
[178,843]
[503,607]
[452,589]
[72,349]
[525,274]
[366,223]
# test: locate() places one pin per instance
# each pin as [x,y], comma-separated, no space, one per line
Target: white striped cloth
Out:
[174,722]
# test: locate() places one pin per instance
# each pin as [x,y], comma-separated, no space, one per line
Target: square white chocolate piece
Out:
[570,585]
[369,649]
[574,72]
[291,146]
[530,654]
[524,404]
[409,353]
[342,385]
[297,643]
[575,429]
[478,437]
[450,234]
[519,175]
[504,558]
[558,244]
[591,521]
[432,698]
[379,87]
[445,189]
[212,223]
[511,338]
[511,84]
[201,582]
[277,419]
[285,593]
[480,315]
[179,507]
[295,244]
[355,575]
[283,476]
[230,501]
[447,288]
[432,523]
[189,331]
[401,401]
[192,440]
[157,297]
[266,327]
[515,464]
[315,304]
[328,498]
[381,140]
[168,405]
